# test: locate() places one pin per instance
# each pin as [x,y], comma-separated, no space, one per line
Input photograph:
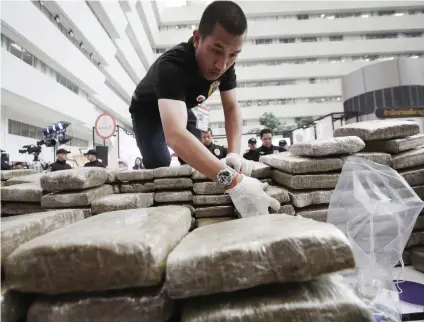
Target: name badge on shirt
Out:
[203,116]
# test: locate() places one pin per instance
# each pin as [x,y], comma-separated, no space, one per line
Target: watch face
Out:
[225,177]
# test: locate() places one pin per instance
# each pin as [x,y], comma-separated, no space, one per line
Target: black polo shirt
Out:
[174,75]
[59,165]
[251,155]
[217,150]
[263,150]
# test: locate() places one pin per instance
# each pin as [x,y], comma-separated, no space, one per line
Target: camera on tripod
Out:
[32,149]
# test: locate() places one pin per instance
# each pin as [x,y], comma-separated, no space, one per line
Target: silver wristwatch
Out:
[225,176]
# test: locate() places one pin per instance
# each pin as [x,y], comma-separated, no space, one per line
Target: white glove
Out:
[249,198]
[238,163]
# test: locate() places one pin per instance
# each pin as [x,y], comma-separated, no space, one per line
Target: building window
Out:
[381,36]
[302,17]
[263,41]
[24,129]
[308,39]
[244,122]
[413,34]
[336,38]
[286,40]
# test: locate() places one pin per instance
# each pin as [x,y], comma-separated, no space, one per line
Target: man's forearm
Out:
[233,129]
[194,153]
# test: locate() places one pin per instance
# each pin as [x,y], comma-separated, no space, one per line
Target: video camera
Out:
[33,149]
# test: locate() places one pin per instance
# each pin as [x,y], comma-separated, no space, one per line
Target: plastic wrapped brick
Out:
[212,200]
[396,145]
[74,179]
[208,188]
[25,192]
[248,252]
[121,202]
[70,199]
[379,129]
[173,196]
[306,181]
[318,213]
[414,177]
[333,146]
[417,258]
[210,221]
[322,300]
[113,250]
[137,187]
[136,305]
[31,178]
[173,183]
[8,174]
[302,199]
[134,175]
[261,171]
[13,209]
[214,211]
[172,172]
[378,157]
[17,230]
[14,305]
[408,159]
[296,164]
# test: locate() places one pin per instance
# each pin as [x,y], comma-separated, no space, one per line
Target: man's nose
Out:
[221,64]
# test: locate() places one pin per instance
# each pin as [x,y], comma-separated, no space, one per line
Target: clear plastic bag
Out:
[377,209]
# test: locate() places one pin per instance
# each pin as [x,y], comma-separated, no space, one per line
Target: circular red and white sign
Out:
[105,125]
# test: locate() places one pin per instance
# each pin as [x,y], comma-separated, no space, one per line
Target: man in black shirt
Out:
[251,153]
[267,147]
[60,164]
[183,78]
[217,150]
[92,160]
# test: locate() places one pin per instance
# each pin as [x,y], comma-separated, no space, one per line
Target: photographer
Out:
[60,164]
[5,161]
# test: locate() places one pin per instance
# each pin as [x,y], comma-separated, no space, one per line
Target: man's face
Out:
[267,139]
[216,52]
[19,166]
[207,138]
[91,157]
[252,146]
[62,156]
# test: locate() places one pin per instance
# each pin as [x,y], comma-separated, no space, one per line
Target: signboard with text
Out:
[399,112]
[105,125]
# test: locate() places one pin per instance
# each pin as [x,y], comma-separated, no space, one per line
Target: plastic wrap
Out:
[318,213]
[306,181]
[322,300]
[408,159]
[171,172]
[260,171]
[284,209]
[68,199]
[247,252]
[25,192]
[173,183]
[302,199]
[378,157]
[17,230]
[174,196]
[74,179]
[376,209]
[113,250]
[121,202]
[278,193]
[136,305]
[396,145]
[214,211]
[414,177]
[8,174]
[296,164]
[134,175]
[379,129]
[333,146]
[13,209]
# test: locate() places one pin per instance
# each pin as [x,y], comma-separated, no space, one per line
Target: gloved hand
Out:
[238,163]
[249,198]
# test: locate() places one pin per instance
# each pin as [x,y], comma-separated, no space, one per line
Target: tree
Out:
[270,121]
[302,121]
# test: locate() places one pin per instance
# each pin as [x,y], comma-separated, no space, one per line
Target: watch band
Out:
[226,176]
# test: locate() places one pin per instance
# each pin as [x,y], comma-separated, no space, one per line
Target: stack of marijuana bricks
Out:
[131,265]
[399,145]
[20,201]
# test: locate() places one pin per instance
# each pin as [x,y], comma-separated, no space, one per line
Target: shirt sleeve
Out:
[169,81]
[229,81]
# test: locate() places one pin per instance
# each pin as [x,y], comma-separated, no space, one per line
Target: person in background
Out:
[5,161]
[18,166]
[92,160]
[60,163]
[138,164]
[217,150]
[266,147]
[250,153]
[283,146]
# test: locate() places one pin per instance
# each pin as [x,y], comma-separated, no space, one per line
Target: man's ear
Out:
[196,38]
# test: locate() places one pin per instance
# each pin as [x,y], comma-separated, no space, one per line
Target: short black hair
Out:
[18,163]
[209,130]
[265,131]
[228,14]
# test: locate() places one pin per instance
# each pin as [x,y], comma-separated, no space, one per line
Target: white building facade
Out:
[73,60]
[296,52]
